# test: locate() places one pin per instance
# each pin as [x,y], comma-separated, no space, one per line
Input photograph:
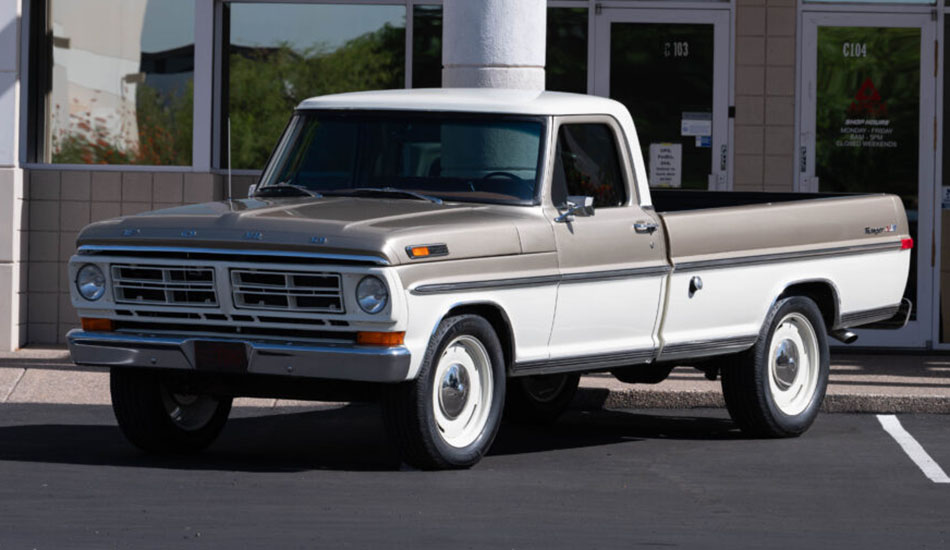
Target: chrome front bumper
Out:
[358,363]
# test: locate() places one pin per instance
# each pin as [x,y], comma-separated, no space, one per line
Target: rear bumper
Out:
[358,363]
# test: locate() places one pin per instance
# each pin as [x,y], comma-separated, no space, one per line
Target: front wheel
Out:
[776,388]
[160,416]
[448,416]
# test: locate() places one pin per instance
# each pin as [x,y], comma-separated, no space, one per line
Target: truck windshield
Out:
[493,159]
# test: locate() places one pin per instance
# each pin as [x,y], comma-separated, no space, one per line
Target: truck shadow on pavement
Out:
[347,438]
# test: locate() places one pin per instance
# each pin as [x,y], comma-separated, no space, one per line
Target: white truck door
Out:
[613,263]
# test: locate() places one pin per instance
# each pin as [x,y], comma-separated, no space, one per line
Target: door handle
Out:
[645,227]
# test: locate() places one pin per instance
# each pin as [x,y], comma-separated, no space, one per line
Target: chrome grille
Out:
[287,290]
[164,285]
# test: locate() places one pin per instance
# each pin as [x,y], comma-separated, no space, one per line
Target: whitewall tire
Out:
[776,388]
[448,416]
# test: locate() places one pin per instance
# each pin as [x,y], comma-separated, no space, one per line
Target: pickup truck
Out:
[458,254]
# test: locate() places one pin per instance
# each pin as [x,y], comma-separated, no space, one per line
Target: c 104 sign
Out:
[854,49]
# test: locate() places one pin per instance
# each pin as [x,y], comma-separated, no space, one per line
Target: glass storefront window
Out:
[679,62]
[867,134]
[427,46]
[566,56]
[281,54]
[121,82]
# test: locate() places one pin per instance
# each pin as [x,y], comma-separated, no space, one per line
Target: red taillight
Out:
[907,244]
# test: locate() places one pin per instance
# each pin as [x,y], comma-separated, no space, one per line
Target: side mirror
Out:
[577,205]
[250,190]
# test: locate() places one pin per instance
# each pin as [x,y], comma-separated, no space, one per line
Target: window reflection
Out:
[281,54]
[122,82]
[427,47]
[566,69]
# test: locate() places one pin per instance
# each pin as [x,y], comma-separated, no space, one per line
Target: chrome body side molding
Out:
[582,363]
[872,316]
[706,348]
[787,256]
[521,282]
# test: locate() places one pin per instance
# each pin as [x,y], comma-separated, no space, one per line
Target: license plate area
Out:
[220,356]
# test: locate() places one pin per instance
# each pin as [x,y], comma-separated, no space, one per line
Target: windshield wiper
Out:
[384,191]
[285,188]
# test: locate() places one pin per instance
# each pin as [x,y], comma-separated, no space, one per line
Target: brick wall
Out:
[61,202]
[765,95]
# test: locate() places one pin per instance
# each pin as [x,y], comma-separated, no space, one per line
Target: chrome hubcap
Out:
[462,388]
[794,363]
[454,392]
[786,364]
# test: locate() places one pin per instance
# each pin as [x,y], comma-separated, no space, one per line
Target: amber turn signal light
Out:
[419,251]
[96,325]
[380,338]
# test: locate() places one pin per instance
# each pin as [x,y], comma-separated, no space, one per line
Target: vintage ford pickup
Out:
[460,253]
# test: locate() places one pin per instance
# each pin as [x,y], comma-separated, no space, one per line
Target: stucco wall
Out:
[61,202]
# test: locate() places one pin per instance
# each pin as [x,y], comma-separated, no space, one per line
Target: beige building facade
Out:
[748,95]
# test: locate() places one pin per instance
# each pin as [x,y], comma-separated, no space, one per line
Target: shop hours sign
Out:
[867,123]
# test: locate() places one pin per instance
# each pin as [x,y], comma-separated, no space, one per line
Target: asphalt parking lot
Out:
[324,477]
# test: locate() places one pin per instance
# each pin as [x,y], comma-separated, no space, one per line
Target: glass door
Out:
[670,67]
[867,126]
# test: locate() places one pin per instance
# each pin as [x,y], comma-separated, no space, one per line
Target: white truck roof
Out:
[493,100]
[476,100]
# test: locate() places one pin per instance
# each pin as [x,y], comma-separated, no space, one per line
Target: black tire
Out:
[156,419]
[770,390]
[410,411]
[540,399]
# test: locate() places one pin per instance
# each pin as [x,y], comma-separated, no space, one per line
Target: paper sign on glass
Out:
[666,163]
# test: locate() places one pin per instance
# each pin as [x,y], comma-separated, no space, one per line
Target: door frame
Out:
[720,170]
[920,332]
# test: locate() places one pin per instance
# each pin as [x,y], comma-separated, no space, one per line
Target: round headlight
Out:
[90,282]
[371,294]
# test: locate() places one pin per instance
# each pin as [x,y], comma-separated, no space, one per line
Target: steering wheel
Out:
[501,173]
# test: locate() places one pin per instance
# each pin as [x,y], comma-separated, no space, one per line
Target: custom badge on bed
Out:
[878,230]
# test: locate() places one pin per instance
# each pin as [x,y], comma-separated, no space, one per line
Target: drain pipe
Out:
[493,43]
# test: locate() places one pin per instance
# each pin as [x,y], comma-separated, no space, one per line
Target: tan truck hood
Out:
[334,225]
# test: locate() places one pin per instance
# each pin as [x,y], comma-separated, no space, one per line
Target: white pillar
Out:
[493,43]
[11,176]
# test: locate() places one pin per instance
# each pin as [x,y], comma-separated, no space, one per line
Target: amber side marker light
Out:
[96,325]
[427,250]
[907,244]
[380,338]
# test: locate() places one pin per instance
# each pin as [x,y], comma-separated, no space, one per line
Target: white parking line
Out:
[931,469]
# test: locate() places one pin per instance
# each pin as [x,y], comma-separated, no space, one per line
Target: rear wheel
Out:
[158,415]
[540,399]
[448,416]
[776,388]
